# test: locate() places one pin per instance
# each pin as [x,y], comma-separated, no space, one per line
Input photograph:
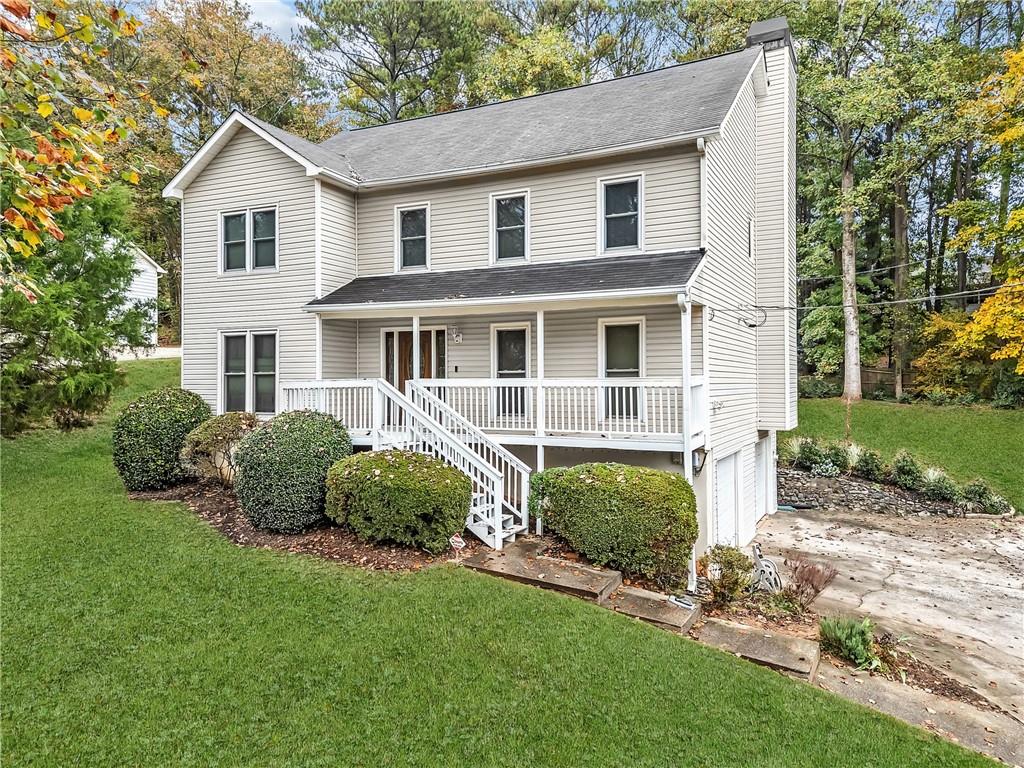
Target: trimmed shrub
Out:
[808,454]
[938,486]
[836,454]
[282,468]
[399,496]
[640,520]
[729,573]
[867,464]
[905,472]
[851,640]
[209,449]
[149,434]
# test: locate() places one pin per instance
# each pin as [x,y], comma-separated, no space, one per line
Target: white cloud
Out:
[278,16]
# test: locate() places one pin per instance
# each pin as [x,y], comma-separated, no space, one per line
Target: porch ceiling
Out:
[581,280]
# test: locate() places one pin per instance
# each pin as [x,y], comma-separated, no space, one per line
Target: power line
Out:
[808,278]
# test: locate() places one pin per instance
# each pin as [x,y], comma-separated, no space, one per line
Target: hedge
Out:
[400,497]
[640,520]
[282,467]
[149,434]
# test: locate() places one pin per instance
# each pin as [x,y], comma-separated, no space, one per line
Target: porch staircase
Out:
[420,421]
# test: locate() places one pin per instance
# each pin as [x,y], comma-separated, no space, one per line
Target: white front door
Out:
[726,499]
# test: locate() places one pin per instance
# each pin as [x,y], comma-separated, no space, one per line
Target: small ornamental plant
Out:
[728,572]
[906,473]
[209,450]
[938,486]
[282,469]
[149,434]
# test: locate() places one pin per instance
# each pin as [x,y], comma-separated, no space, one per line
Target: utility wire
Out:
[808,278]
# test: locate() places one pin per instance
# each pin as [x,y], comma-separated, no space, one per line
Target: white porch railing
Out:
[350,401]
[626,408]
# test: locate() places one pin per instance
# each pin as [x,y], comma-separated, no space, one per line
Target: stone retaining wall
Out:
[849,493]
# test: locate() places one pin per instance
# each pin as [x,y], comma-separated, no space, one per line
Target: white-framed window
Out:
[620,220]
[248,240]
[510,226]
[620,354]
[412,236]
[248,371]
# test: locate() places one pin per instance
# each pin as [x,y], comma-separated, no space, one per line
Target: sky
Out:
[278,15]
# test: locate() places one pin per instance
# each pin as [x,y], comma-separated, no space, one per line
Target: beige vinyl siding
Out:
[570,343]
[248,172]
[727,279]
[697,340]
[776,244]
[563,211]
[338,237]
[338,338]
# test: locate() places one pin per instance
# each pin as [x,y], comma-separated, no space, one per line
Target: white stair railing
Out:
[422,433]
[514,471]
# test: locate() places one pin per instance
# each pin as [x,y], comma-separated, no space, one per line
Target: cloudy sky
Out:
[278,15]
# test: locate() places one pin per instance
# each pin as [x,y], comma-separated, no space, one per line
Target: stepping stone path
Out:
[794,656]
[524,561]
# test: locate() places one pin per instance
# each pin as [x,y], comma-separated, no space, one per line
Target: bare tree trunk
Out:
[930,239]
[851,316]
[1005,173]
[900,257]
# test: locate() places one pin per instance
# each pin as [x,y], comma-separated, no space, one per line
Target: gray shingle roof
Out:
[677,100]
[669,270]
[317,154]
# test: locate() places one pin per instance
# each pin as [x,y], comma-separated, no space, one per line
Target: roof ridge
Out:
[515,99]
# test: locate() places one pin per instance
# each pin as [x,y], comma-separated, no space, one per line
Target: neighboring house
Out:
[565,277]
[144,285]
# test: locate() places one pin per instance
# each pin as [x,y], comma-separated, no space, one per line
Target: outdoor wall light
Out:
[698,456]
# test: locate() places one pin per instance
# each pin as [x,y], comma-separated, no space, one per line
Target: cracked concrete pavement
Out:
[953,586]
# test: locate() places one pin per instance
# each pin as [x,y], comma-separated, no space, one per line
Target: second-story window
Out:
[510,238]
[413,244]
[621,213]
[249,240]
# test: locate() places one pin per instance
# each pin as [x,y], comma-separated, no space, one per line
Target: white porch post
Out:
[415,348]
[541,427]
[685,317]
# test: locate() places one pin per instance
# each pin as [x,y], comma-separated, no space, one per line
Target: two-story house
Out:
[567,277]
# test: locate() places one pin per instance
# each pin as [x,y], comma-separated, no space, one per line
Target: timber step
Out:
[523,562]
[653,607]
[794,656]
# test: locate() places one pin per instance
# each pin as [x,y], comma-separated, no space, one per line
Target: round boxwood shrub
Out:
[640,520]
[399,496]
[906,473]
[282,467]
[148,436]
[209,449]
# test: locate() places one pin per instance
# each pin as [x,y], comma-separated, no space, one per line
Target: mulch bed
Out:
[218,507]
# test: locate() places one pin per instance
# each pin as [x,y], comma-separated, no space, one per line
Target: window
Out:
[249,367]
[510,232]
[413,242]
[621,357]
[621,214]
[249,240]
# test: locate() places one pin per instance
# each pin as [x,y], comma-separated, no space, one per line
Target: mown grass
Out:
[135,635]
[967,441]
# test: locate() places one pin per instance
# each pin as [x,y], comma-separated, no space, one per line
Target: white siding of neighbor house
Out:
[776,243]
[563,211]
[727,279]
[143,288]
[248,172]
[338,237]
[338,338]
[570,342]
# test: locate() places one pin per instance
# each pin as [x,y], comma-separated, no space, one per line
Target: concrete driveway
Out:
[954,586]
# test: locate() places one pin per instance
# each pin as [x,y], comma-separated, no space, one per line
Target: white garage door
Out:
[727,499]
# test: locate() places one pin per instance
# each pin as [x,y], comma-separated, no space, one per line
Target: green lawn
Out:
[969,442]
[135,635]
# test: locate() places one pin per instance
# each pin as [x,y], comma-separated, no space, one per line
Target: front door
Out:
[398,356]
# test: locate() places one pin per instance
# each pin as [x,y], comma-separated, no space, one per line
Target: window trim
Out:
[602,182]
[385,330]
[250,361]
[492,226]
[397,236]
[250,268]
[602,342]
[520,326]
